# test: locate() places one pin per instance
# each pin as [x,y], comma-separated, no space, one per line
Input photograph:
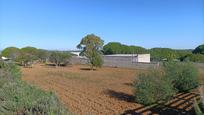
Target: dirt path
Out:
[107,91]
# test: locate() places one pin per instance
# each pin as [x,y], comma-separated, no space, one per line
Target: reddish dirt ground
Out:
[106,91]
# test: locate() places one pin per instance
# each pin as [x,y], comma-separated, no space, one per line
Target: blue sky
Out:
[60,24]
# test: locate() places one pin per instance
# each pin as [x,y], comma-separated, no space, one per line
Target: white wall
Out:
[144,58]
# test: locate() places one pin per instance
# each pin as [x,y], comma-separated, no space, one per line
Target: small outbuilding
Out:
[133,58]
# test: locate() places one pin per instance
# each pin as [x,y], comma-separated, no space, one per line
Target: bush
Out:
[9,71]
[184,76]
[19,98]
[151,88]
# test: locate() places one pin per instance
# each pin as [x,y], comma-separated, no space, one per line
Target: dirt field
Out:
[107,91]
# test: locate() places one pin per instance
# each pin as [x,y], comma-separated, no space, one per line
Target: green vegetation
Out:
[43,55]
[59,58]
[118,48]
[184,76]
[17,97]
[162,84]
[199,107]
[11,52]
[151,88]
[91,46]
[199,49]
[24,56]
[193,58]
[28,55]
[30,50]
[157,54]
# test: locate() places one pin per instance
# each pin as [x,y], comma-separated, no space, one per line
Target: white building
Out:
[143,58]
[134,58]
[4,58]
[77,53]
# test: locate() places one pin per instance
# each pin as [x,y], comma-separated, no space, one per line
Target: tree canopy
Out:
[118,48]
[199,49]
[30,50]
[59,58]
[11,52]
[158,54]
[91,46]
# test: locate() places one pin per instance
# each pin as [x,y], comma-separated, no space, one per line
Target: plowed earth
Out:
[106,91]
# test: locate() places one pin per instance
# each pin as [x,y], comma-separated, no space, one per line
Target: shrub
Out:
[19,98]
[193,58]
[151,88]
[9,71]
[184,76]
[198,107]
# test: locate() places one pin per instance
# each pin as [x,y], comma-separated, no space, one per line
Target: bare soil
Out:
[105,91]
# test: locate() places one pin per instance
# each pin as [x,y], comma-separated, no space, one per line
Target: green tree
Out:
[199,49]
[91,46]
[193,58]
[158,54]
[112,48]
[43,55]
[118,48]
[30,50]
[25,59]
[11,52]
[59,58]
[28,56]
